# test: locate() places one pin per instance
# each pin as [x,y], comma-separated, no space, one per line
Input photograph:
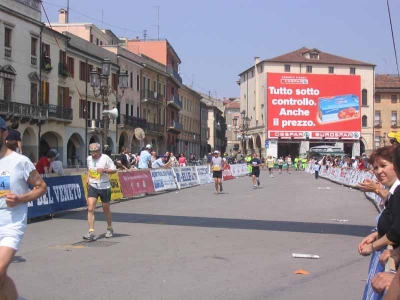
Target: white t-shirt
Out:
[280,161]
[97,180]
[14,173]
[158,163]
[145,157]
[57,167]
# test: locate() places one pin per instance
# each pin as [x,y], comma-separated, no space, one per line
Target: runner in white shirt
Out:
[288,162]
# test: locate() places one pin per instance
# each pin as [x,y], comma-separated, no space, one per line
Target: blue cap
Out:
[3,124]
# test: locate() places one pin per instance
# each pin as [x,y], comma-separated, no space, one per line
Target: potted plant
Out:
[48,67]
[64,73]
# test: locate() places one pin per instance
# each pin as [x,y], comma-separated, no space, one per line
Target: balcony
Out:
[63,70]
[7,52]
[46,64]
[378,123]
[59,113]
[176,126]
[24,112]
[155,128]
[148,96]
[170,70]
[175,102]
[95,125]
[133,121]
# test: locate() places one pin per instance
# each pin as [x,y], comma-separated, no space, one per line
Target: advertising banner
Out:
[374,268]
[136,183]
[203,175]
[227,173]
[313,106]
[163,179]
[63,193]
[116,192]
[186,176]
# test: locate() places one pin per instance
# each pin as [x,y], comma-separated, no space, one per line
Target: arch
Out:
[135,145]
[364,97]
[94,139]
[110,144]
[29,144]
[76,151]
[258,142]
[123,141]
[251,144]
[51,140]
[364,121]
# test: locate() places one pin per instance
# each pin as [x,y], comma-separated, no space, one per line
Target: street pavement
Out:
[192,244]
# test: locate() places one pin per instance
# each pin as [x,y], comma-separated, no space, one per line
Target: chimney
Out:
[256,60]
[62,16]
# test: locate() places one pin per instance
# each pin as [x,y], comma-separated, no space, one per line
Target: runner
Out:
[98,182]
[217,164]
[288,162]
[17,173]
[280,164]
[270,165]
[255,171]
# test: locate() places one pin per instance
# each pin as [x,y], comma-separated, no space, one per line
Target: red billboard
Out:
[313,106]
[136,183]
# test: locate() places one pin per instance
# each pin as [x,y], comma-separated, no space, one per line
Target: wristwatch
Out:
[376,191]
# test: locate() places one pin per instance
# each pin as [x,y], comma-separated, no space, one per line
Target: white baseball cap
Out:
[148,146]
[216,152]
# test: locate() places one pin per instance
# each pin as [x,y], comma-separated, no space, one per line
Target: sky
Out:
[218,39]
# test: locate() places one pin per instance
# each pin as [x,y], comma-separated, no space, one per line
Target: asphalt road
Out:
[193,244]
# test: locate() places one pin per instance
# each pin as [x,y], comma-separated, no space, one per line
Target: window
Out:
[165,90]
[159,88]
[34,93]
[287,68]
[309,69]
[352,71]
[364,96]
[97,41]
[137,82]
[101,43]
[63,57]
[378,121]
[261,68]
[393,98]
[63,99]
[137,112]
[394,118]
[7,89]
[83,71]
[132,110]
[7,37]
[114,81]
[45,92]
[377,98]
[127,109]
[91,38]
[364,122]
[131,80]
[314,56]
[377,139]
[89,69]
[70,66]
[46,51]
[34,42]
[154,86]
[331,70]
[82,108]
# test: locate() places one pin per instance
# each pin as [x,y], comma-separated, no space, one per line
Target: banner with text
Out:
[227,173]
[63,193]
[116,192]
[203,175]
[186,176]
[136,183]
[313,106]
[163,179]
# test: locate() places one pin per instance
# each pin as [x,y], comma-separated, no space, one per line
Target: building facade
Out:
[386,108]
[189,117]
[253,95]
[203,129]
[233,138]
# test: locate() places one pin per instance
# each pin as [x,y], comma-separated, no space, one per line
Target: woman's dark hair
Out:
[383,152]
[12,145]
[50,154]
[14,126]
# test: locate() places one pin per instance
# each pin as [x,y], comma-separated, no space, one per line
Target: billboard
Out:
[313,106]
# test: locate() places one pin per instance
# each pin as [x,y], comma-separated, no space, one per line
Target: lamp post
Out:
[243,128]
[100,81]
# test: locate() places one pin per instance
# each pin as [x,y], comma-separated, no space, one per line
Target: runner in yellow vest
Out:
[248,161]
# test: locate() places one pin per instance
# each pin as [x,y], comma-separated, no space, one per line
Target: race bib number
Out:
[4,185]
[216,168]
[94,174]
[254,163]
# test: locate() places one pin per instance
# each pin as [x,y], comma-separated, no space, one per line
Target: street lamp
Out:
[243,128]
[100,81]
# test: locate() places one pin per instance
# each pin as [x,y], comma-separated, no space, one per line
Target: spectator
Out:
[43,166]
[145,158]
[123,160]
[172,159]
[239,157]
[56,166]
[161,162]
[13,139]
[182,160]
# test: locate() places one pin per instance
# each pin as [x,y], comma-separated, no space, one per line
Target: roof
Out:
[387,81]
[232,104]
[299,56]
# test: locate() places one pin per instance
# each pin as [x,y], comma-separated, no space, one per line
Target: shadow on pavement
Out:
[305,227]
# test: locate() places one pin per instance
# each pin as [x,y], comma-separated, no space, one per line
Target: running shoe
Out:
[254,187]
[90,236]
[109,233]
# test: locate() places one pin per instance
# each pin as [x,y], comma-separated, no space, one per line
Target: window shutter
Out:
[47,92]
[67,99]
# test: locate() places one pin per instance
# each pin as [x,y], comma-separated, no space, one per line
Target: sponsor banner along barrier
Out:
[63,193]
[116,192]
[136,183]
[185,176]
[163,180]
[203,175]
[227,173]
[374,268]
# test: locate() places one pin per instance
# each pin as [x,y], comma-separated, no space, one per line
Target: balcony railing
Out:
[170,70]
[394,123]
[149,95]
[59,112]
[33,60]
[95,124]
[176,126]
[378,123]
[63,70]
[7,52]
[154,127]
[46,64]
[175,102]
[23,111]
[134,121]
